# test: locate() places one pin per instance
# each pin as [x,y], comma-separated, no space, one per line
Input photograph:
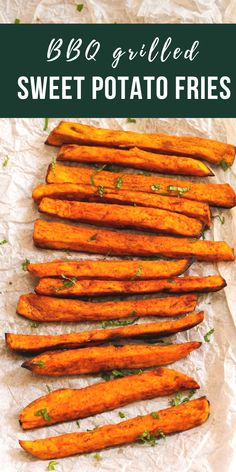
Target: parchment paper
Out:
[209,448]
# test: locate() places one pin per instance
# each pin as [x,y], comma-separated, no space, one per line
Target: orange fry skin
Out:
[90,360]
[27,343]
[87,288]
[135,158]
[40,308]
[120,216]
[53,235]
[200,148]
[221,195]
[71,404]
[110,269]
[67,191]
[171,420]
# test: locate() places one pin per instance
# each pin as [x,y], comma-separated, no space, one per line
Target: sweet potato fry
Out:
[171,420]
[110,270]
[67,191]
[36,307]
[70,404]
[146,219]
[56,287]
[27,343]
[220,195]
[81,238]
[201,148]
[90,360]
[136,158]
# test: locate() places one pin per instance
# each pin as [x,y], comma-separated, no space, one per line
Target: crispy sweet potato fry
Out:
[201,148]
[146,219]
[81,238]
[171,420]
[55,287]
[67,191]
[110,270]
[136,158]
[221,195]
[27,343]
[36,307]
[70,404]
[90,360]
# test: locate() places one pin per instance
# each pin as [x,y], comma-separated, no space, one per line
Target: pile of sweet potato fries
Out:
[163,219]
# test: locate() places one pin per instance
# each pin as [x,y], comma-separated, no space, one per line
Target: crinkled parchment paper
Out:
[209,448]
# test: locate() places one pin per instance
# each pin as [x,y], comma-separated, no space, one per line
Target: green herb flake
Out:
[39,363]
[25,264]
[97,457]
[5,161]
[78,423]
[208,334]
[221,218]
[44,413]
[99,169]
[115,374]
[51,465]
[119,182]
[155,415]
[68,282]
[155,187]
[178,398]
[224,165]
[3,241]
[161,435]
[48,388]
[34,324]
[148,438]
[131,120]
[179,190]
[79,7]
[17,21]
[121,414]
[100,190]
[93,237]
[54,165]
[121,322]
[138,273]
[45,127]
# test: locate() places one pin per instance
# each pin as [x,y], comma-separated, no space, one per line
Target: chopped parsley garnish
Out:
[131,120]
[115,374]
[100,190]
[180,190]
[148,438]
[44,413]
[25,264]
[48,388]
[34,324]
[178,398]
[97,457]
[122,322]
[121,414]
[17,21]
[93,237]
[3,241]
[161,434]
[54,166]
[155,415]
[78,423]
[80,7]
[5,161]
[39,363]
[95,173]
[221,218]
[155,187]
[119,182]
[45,127]
[208,334]
[138,273]
[51,465]
[224,165]
[68,282]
